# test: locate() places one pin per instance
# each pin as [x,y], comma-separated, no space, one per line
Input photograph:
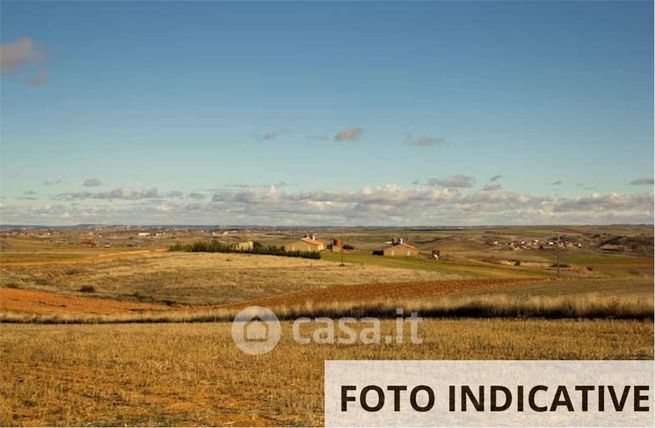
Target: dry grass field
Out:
[117,367]
[197,278]
[191,374]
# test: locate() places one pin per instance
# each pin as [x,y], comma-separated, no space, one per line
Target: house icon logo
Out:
[256,330]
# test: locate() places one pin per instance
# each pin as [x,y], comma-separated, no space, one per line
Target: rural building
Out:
[308,243]
[89,242]
[245,246]
[336,246]
[398,248]
[611,248]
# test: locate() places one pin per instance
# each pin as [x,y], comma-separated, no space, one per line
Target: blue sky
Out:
[240,105]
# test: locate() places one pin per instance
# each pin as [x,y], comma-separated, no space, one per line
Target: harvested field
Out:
[202,278]
[192,374]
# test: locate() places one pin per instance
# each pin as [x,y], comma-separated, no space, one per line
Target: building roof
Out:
[404,244]
[312,241]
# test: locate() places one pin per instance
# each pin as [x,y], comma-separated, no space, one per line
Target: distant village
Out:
[120,236]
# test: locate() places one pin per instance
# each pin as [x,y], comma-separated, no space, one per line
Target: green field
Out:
[471,269]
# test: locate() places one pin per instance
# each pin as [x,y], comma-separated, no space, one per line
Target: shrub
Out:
[218,247]
[87,289]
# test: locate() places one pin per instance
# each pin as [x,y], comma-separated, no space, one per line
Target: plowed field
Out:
[389,291]
[46,303]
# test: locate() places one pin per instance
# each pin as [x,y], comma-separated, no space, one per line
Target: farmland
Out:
[181,374]
[104,362]
[197,278]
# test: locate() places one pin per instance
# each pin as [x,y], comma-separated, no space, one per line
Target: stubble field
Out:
[192,374]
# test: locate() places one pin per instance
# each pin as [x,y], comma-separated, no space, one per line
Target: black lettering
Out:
[396,395]
[478,404]
[638,389]
[493,390]
[345,398]
[362,398]
[561,399]
[414,393]
[585,395]
[531,401]
[451,398]
[618,404]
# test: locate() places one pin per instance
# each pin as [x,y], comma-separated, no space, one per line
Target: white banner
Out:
[489,393]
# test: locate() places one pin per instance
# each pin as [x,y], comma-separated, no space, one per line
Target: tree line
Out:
[258,248]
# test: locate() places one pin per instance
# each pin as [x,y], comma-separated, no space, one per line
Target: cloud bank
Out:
[381,205]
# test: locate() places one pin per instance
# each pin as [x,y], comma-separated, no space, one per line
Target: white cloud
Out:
[642,182]
[424,141]
[126,193]
[92,182]
[348,134]
[454,181]
[492,187]
[20,53]
[196,196]
[14,55]
[272,135]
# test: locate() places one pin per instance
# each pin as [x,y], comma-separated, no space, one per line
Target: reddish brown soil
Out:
[389,291]
[46,303]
